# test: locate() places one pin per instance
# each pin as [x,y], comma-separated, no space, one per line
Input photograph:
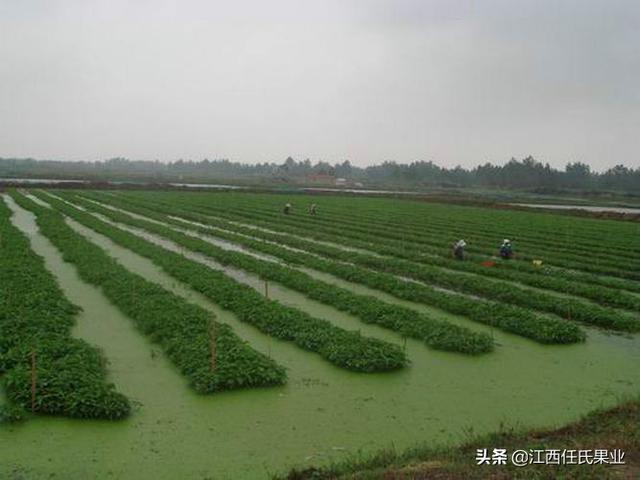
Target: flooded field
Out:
[323,413]
[587,208]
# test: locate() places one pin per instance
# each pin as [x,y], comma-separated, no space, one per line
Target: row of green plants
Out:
[416,225]
[565,254]
[438,241]
[437,334]
[569,308]
[208,353]
[419,266]
[43,369]
[510,318]
[376,244]
[346,349]
[487,239]
[565,307]
[602,236]
[562,238]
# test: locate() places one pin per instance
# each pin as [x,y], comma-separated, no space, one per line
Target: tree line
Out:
[527,173]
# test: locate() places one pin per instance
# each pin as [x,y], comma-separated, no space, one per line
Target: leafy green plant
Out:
[429,239]
[437,334]
[12,414]
[569,308]
[342,348]
[509,318]
[36,347]
[571,281]
[181,328]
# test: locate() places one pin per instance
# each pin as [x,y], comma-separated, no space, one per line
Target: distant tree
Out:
[577,175]
[527,173]
[344,169]
[289,164]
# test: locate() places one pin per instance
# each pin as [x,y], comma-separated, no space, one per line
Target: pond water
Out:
[322,414]
[208,185]
[588,208]
[35,181]
[29,181]
[360,191]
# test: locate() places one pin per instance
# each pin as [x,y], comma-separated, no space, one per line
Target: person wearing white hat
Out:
[506,249]
[458,249]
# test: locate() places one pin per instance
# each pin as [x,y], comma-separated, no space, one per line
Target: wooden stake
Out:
[266,288]
[212,346]
[34,379]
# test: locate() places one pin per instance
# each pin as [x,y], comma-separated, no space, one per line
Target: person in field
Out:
[506,249]
[287,208]
[458,249]
[313,209]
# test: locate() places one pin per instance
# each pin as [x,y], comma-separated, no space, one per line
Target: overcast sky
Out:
[456,82]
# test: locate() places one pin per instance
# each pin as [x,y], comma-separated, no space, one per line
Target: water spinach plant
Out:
[493,289]
[43,369]
[507,317]
[346,349]
[437,334]
[585,271]
[182,329]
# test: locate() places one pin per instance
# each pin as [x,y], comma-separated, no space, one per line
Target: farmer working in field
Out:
[458,249]
[313,208]
[287,208]
[506,249]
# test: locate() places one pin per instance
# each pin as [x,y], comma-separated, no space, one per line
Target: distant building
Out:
[321,179]
[341,182]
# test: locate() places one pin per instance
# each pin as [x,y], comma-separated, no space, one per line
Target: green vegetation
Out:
[346,349]
[569,308]
[433,222]
[433,240]
[437,334]
[401,248]
[526,174]
[507,317]
[12,414]
[183,330]
[260,214]
[44,370]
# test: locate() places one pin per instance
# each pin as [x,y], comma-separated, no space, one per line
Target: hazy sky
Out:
[456,82]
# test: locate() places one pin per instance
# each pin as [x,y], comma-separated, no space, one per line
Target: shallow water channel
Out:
[322,414]
[588,208]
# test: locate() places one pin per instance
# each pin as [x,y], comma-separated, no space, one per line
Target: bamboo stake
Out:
[34,379]
[213,346]
[266,288]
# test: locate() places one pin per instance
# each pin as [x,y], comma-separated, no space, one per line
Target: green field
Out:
[171,334]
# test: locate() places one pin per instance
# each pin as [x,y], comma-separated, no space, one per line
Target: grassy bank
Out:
[616,428]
